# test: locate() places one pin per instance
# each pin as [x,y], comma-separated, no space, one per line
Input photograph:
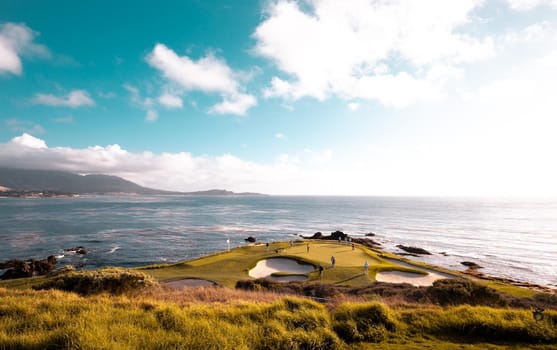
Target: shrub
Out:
[458,291]
[111,280]
[363,322]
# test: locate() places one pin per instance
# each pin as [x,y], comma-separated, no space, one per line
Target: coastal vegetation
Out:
[115,308]
[222,318]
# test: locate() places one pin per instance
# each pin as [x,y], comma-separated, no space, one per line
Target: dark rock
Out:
[366,242]
[78,250]
[471,265]
[21,269]
[250,239]
[316,235]
[338,235]
[370,234]
[45,266]
[333,236]
[9,264]
[413,250]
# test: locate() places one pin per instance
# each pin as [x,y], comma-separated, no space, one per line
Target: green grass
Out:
[226,268]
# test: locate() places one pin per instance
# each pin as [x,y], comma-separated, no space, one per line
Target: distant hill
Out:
[52,180]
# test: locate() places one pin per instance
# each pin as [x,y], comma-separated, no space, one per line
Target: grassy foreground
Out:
[222,318]
[128,309]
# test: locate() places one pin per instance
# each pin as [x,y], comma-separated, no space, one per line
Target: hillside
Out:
[60,181]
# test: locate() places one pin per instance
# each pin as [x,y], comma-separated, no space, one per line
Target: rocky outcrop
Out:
[471,265]
[21,268]
[413,250]
[77,250]
[250,239]
[333,236]
[316,235]
[366,242]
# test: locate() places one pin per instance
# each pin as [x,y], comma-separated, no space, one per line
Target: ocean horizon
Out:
[510,237]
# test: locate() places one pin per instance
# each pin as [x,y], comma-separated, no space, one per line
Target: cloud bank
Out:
[180,171]
[472,168]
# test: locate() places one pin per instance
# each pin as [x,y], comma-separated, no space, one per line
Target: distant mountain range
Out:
[61,181]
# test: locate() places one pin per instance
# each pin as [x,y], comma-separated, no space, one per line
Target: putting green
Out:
[227,268]
[321,252]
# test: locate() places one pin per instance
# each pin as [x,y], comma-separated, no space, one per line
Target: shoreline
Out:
[432,272]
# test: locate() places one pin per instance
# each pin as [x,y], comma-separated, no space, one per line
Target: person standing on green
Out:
[333,261]
[366,267]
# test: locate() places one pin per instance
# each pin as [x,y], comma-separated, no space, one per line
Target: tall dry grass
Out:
[222,318]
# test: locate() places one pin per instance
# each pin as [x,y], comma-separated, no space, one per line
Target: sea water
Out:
[513,238]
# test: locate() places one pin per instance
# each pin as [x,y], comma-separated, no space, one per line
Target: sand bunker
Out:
[414,279]
[265,269]
[189,282]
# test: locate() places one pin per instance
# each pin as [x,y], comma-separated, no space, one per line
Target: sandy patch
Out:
[414,279]
[265,268]
[189,282]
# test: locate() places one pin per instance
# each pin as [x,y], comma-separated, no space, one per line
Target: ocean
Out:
[512,238]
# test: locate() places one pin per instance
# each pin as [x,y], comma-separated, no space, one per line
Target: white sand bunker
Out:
[265,269]
[414,279]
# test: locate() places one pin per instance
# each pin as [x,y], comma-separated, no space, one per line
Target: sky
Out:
[309,97]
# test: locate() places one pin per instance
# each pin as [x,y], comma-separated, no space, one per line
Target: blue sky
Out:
[288,97]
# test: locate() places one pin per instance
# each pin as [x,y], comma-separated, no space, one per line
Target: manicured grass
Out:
[226,268]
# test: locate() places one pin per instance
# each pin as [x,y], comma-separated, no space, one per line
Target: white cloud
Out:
[170,101]
[279,135]
[234,104]
[151,115]
[530,4]
[337,48]
[74,99]
[353,106]
[208,74]
[17,40]
[29,141]
[549,60]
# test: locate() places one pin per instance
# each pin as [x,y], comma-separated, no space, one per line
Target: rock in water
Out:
[338,234]
[250,239]
[471,265]
[78,250]
[413,250]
